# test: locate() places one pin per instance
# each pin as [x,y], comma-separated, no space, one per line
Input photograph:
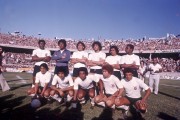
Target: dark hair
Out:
[45,66]
[108,67]
[62,69]
[81,44]
[62,41]
[127,70]
[41,41]
[97,43]
[131,46]
[83,69]
[115,47]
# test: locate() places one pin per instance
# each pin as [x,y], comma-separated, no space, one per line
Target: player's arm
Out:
[147,93]
[101,87]
[44,89]
[35,58]
[36,88]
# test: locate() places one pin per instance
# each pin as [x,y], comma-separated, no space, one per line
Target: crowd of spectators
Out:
[145,44]
[22,60]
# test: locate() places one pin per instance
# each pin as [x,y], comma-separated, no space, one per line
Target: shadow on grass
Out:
[169,95]
[16,80]
[23,85]
[106,114]
[165,116]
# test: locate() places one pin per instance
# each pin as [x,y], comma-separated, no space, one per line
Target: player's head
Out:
[128,73]
[80,46]
[41,44]
[155,60]
[107,70]
[97,46]
[83,72]
[44,68]
[62,72]
[129,48]
[62,44]
[114,50]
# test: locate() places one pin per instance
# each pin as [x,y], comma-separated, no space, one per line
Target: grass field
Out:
[15,104]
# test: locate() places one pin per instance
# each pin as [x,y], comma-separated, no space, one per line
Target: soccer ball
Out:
[35,103]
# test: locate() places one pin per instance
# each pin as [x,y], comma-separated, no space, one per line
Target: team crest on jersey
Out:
[112,85]
[135,88]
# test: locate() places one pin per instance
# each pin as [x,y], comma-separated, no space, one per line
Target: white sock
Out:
[101,104]
[125,107]
[92,101]
[69,98]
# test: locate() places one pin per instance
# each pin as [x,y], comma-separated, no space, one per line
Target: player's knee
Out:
[71,93]
[52,92]
[46,94]
[80,96]
[118,102]
[109,103]
[97,99]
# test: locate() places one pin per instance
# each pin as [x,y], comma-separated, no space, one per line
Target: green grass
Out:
[15,104]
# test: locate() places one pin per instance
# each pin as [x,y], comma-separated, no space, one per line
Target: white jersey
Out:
[111,84]
[155,67]
[43,78]
[142,69]
[96,57]
[62,83]
[80,55]
[41,53]
[133,87]
[85,84]
[130,59]
[113,60]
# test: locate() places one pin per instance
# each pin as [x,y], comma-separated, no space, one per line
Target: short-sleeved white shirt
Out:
[133,87]
[95,56]
[155,67]
[80,55]
[113,60]
[129,59]
[43,78]
[41,53]
[85,84]
[62,83]
[111,84]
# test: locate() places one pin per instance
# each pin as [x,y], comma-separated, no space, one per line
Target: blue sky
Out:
[110,19]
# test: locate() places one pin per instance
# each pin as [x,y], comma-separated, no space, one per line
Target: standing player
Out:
[62,85]
[154,77]
[132,86]
[130,60]
[114,60]
[79,58]
[110,87]
[96,59]
[141,71]
[62,57]
[83,85]
[42,82]
[39,56]
[3,82]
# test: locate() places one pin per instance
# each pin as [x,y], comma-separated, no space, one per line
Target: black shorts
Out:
[58,67]
[117,74]
[108,95]
[36,70]
[133,100]
[98,71]
[75,72]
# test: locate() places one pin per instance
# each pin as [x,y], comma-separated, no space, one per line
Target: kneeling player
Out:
[110,87]
[132,87]
[43,78]
[83,85]
[62,85]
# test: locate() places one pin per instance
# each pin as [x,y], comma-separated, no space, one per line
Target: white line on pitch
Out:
[21,80]
[170,85]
